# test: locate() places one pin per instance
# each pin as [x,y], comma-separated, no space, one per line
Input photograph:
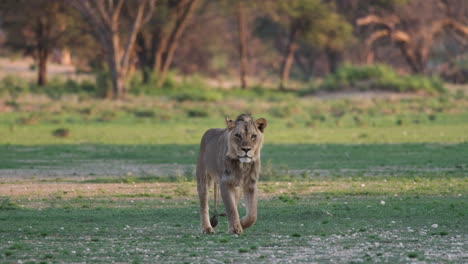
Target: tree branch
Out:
[388,21]
[131,39]
[103,13]
[116,12]
[149,13]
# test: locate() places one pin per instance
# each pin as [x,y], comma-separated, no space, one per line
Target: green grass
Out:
[167,133]
[344,180]
[313,229]
[310,160]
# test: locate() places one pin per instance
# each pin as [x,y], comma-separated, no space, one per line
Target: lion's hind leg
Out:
[203,183]
[214,218]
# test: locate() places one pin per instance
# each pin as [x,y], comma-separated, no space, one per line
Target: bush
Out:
[379,77]
[13,85]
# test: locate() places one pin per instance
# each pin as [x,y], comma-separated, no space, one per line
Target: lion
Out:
[229,159]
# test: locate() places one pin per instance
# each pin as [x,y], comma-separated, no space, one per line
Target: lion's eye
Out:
[253,136]
[238,135]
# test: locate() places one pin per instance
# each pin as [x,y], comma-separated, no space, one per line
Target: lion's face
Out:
[245,138]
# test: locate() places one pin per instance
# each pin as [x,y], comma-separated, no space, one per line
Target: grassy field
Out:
[280,161]
[390,229]
[358,180]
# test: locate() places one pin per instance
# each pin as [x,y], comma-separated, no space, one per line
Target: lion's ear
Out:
[261,124]
[229,123]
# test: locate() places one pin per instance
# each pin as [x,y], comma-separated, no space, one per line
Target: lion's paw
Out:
[208,230]
[236,229]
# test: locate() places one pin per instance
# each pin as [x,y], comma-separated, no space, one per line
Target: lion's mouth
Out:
[245,156]
[245,159]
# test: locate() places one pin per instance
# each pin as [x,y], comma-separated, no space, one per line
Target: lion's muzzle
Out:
[245,155]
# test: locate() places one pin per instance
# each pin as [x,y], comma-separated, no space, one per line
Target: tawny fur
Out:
[229,160]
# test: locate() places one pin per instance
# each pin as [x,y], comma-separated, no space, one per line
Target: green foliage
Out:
[379,77]
[14,86]
[316,22]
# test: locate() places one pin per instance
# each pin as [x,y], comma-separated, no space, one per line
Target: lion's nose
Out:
[245,149]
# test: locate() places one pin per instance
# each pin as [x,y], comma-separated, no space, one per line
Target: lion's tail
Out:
[214,218]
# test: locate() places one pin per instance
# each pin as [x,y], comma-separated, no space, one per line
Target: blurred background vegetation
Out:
[202,50]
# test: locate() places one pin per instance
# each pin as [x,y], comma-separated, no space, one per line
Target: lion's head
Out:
[245,138]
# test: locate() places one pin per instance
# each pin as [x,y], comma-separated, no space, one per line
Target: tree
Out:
[106,20]
[311,22]
[242,28]
[414,36]
[157,41]
[36,28]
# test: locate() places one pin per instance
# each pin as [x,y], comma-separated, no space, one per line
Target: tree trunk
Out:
[242,44]
[117,72]
[288,58]
[159,51]
[410,57]
[142,54]
[334,59]
[43,55]
[42,34]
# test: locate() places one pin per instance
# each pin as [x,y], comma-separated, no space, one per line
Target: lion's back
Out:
[212,149]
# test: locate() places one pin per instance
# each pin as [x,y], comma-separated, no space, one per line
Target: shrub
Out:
[379,77]
[61,132]
[197,113]
[14,85]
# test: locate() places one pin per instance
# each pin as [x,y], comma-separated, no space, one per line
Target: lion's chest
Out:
[237,173]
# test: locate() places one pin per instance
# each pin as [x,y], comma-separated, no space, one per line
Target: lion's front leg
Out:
[250,195]
[228,193]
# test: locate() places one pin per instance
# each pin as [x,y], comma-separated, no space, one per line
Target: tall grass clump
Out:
[379,77]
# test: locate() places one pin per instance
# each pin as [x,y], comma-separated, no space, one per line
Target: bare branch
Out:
[149,13]
[183,15]
[400,36]
[375,36]
[131,40]
[91,17]
[458,27]
[110,5]
[104,13]
[388,21]
[117,10]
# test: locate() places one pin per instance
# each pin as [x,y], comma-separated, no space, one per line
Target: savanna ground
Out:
[381,178]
